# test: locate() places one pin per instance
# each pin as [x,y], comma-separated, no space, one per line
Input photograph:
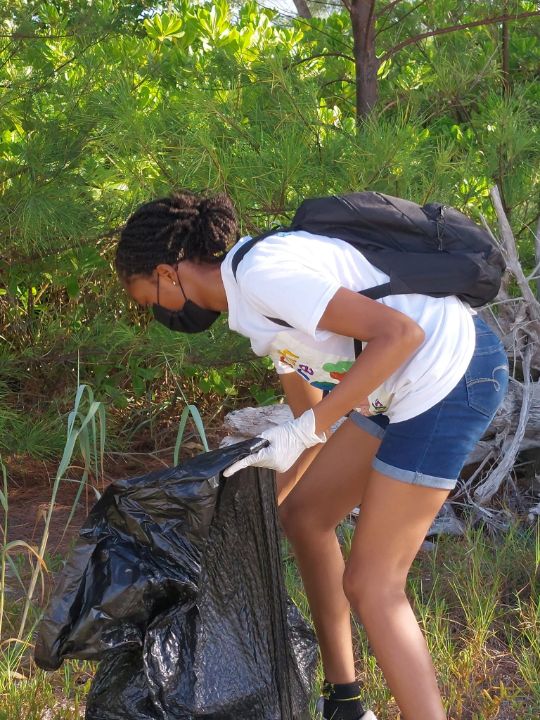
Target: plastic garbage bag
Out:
[176,586]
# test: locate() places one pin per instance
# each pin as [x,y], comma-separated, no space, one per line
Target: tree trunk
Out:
[302,9]
[366,64]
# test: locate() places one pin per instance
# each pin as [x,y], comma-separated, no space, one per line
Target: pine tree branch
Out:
[324,54]
[401,18]
[387,8]
[337,80]
[55,71]
[455,28]
[10,56]
[20,171]
[24,258]
[506,78]
[314,28]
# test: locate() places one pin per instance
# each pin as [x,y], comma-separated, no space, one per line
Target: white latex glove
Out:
[287,442]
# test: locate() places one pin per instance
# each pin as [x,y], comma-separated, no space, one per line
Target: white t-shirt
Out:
[293,276]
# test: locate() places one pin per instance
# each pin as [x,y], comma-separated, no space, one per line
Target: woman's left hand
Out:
[287,443]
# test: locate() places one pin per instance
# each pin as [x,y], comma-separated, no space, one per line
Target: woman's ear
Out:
[167,273]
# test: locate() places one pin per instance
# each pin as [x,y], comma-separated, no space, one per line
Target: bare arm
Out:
[391,338]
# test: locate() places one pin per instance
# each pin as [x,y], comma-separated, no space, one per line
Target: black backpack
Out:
[432,249]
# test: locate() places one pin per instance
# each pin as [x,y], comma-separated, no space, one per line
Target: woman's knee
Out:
[368,588]
[299,520]
[289,516]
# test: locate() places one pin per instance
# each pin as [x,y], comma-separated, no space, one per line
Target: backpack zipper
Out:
[440,226]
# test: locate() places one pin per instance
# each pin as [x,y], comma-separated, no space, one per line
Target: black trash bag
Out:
[176,586]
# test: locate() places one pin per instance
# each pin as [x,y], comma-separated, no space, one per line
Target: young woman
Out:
[422,392]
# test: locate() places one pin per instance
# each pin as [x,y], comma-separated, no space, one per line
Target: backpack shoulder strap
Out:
[246,247]
[378,291]
[375,293]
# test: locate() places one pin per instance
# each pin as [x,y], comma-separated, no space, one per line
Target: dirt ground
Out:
[30,487]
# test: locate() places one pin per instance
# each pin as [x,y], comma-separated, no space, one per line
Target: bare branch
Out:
[512,256]
[534,273]
[455,28]
[537,255]
[324,54]
[487,489]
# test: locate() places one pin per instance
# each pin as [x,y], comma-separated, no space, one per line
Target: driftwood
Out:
[517,319]
[245,423]
[249,422]
[516,427]
[252,421]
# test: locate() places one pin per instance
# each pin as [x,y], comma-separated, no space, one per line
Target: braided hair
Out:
[182,226]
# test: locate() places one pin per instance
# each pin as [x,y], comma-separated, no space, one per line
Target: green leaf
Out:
[164,27]
[190,409]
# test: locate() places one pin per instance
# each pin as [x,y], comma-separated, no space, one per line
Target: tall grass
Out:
[29,564]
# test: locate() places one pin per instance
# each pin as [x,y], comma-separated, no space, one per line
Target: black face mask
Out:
[192,318]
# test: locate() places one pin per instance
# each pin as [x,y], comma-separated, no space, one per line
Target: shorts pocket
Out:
[486,380]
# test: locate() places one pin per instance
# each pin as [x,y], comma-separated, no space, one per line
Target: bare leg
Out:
[286,481]
[330,487]
[393,523]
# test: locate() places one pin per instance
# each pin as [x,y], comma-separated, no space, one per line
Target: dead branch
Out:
[537,256]
[512,257]
[516,427]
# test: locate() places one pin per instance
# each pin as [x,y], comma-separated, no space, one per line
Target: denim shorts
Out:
[431,448]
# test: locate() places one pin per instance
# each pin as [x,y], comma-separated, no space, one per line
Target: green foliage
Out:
[109,103]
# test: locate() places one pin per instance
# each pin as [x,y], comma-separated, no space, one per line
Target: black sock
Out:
[342,702]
